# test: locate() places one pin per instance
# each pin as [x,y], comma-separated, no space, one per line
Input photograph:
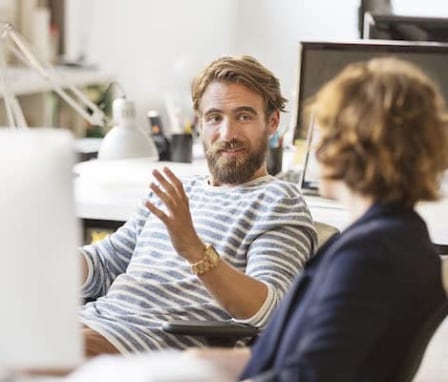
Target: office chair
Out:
[324,232]
[217,333]
[417,349]
[230,333]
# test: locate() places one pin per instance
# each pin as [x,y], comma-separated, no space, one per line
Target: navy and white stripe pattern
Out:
[262,228]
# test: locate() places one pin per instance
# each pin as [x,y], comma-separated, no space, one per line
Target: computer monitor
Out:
[372,6]
[321,61]
[39,260]
[409,28]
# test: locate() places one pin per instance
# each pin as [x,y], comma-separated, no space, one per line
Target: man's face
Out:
[235,132]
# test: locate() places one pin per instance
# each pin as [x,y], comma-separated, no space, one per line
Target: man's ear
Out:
[198,124]
[273,122]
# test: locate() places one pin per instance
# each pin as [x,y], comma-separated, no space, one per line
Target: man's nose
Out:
[227,130]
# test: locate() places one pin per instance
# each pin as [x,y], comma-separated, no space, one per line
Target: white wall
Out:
[152,44]
[427,8]
[271,30]
[157,45]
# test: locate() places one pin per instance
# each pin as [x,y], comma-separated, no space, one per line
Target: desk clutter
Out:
[177,147]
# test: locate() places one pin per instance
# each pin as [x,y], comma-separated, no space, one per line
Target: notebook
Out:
[39,235]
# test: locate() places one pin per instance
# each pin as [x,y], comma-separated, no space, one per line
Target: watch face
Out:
[208,262]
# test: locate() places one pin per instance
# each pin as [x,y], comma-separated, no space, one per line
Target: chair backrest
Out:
[324,232]
[418,346]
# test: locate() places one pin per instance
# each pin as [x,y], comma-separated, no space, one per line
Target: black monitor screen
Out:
[321,61]
[396,27]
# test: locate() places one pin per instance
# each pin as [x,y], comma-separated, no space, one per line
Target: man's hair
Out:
[383,131]
[243,70]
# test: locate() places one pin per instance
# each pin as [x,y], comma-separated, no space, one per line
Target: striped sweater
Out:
[262,228]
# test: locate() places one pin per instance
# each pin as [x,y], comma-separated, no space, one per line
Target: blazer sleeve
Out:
[347,313]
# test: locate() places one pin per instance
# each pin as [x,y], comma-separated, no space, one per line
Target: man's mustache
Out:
[234,144]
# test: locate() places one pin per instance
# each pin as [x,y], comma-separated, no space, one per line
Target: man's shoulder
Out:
[284,188]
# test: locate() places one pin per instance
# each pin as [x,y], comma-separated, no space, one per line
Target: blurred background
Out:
[153,48]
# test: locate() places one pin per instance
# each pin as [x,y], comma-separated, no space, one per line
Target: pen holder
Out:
[181,148]
[158,136]
[275,160]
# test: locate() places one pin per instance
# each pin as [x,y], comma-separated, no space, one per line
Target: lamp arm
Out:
[7,96]
[18,113]
[96,118]
[78,102]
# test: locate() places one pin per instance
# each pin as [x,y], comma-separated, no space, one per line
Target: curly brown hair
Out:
[383,130]
[244,70]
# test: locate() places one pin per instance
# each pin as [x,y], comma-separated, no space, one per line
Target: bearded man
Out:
[216,247]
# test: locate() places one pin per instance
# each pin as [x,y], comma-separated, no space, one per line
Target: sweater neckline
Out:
[249,184]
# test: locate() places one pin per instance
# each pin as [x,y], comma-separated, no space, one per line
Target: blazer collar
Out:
[378,210]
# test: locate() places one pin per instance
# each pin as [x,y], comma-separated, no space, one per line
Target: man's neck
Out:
[261,172]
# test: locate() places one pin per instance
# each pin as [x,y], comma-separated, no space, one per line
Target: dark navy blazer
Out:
[352,313]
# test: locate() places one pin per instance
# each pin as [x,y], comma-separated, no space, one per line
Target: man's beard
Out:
[235,169]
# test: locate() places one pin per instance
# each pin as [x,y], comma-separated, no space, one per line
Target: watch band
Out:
[209,261]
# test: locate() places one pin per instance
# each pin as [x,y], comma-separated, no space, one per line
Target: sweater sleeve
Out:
[286,240]
[110,257]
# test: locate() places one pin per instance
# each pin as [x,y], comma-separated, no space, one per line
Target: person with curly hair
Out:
[351,316]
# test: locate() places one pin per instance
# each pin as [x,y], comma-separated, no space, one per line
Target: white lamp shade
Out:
[125,139]
[127,142]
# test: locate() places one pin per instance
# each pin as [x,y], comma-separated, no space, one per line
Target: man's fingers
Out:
[167,186]
[164,196]
[174,180]
[156,211]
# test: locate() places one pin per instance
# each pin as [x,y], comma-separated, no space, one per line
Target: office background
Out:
[153,48]
[156,46]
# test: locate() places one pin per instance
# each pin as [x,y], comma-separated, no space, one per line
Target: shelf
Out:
[24,81]
[41,106]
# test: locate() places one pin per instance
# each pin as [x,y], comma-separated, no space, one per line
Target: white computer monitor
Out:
[39,264]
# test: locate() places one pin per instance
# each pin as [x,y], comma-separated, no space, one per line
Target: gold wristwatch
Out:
[209,261]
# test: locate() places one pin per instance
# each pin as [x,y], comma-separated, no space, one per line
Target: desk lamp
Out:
[124,140]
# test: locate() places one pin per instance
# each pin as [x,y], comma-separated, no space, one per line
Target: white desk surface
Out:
[112,190]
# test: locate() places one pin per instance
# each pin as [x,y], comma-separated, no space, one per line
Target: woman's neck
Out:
[355,203]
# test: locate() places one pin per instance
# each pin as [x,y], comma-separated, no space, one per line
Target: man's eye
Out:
[244,117]
[213,118]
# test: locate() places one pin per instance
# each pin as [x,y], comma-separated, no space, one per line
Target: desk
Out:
[111,191]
